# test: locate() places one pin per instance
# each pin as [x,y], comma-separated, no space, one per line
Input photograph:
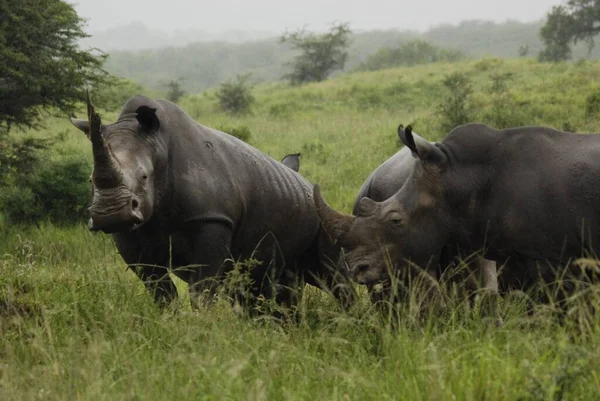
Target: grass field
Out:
[76,324]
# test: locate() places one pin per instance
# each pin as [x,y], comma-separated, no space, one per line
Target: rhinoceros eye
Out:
[395,219]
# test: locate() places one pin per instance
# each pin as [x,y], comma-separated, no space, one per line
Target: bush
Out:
[454,109]
[20,155]
[523,50]
[242,132]
[568,126]
[592,104]
[503,112]
[236,96]
[175,91]
[57,190]
[408,54]
[487,64]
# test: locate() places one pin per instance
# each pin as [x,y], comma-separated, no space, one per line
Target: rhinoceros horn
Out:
[106,170]
[337,225]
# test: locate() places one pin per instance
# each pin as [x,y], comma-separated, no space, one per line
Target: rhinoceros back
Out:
[213,174]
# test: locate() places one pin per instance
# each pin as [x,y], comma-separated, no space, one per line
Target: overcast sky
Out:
[278,15]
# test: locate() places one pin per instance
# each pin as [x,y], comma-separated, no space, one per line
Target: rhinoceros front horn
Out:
[337,225]
[106,170]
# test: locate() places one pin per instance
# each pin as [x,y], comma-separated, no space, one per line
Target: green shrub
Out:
[503,112]
[568,126]
[408,54]
[454,109]
[488,63]
[242,132]
[175,92]
[592,104]
[20,155]
[235,97]
[57,190]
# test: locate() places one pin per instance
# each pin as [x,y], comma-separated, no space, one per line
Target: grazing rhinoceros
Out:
[175,193]
[529,195]
[292,161]
[384,182]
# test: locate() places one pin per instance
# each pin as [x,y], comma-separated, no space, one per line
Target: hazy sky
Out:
[278,15]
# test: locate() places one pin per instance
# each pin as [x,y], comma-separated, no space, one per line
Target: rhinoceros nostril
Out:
[135,204]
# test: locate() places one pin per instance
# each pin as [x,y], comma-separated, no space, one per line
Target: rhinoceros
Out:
[173,192]
[384,182]
[527,195]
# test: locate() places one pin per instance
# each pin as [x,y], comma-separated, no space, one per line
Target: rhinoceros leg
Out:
[490,293]
[211,247]
[329,272]
[146,255]
[329,277]
[285,288]
[479,278]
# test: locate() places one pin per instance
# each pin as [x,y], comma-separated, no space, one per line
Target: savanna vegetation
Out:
[76,324]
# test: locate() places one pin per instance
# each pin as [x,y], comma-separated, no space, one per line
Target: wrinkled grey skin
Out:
[292,161]
[175,193]
[527,195]
[383,183]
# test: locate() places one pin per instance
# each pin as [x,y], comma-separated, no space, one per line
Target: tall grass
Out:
[76,324]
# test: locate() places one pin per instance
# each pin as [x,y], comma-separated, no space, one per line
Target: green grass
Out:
[75,324]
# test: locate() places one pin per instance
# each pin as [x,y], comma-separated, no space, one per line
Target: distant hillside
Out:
[137,36]
[203,65]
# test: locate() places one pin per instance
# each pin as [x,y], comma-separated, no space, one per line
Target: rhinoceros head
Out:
[123,175]
[409,227]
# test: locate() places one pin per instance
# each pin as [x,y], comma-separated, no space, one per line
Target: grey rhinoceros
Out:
[383,183]
[175,193]
[528,195]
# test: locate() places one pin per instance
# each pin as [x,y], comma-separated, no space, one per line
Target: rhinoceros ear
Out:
[424,150]
[400,131]
[366,207]
[292,161]
[83,125]
[148,119]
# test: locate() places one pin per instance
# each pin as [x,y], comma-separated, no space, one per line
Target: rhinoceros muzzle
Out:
[127,217]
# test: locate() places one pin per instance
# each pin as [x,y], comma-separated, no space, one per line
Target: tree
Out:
[567,24]
[175,91]
[42,66]
[320,55]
